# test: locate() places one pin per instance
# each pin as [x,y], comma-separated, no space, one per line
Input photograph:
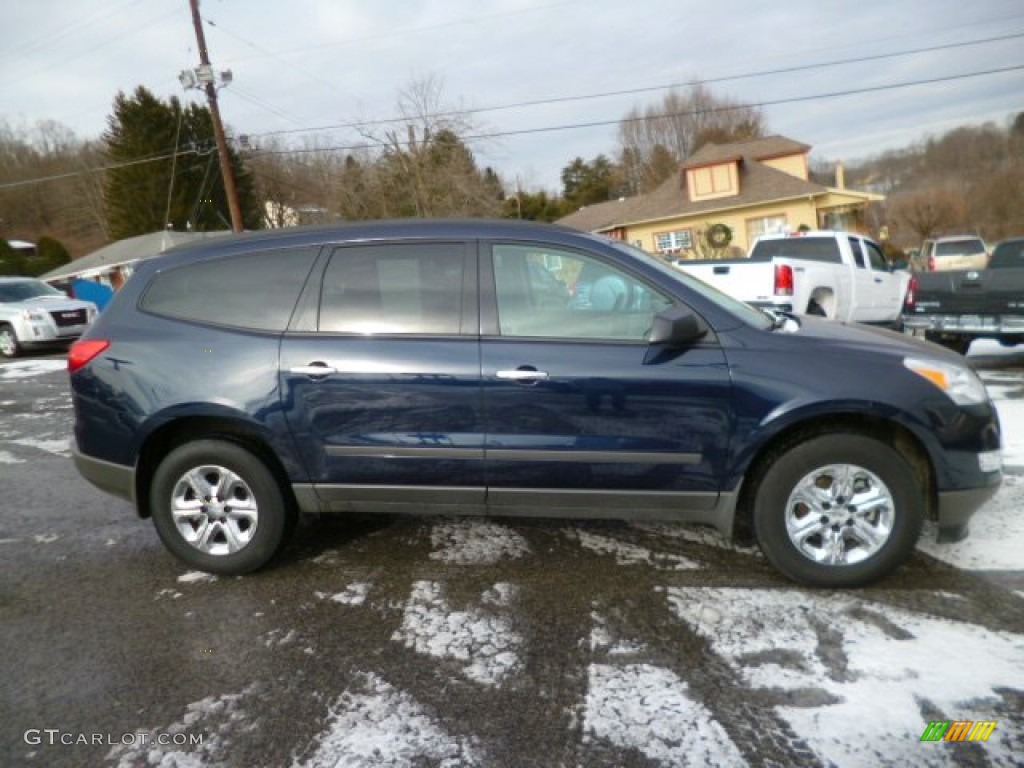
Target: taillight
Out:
[783,280]
[83,351]
[911,298]
[931,263]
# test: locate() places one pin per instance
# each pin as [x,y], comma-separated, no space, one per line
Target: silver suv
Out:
[955,252]
[33,314]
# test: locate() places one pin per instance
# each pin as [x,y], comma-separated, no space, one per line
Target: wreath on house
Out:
[719,236]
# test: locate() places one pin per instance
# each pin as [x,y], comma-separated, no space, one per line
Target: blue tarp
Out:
[88,290]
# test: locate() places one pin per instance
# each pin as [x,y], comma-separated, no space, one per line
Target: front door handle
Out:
[315,370]
[522,374]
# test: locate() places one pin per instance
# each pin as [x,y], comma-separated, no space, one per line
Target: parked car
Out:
[955,308]
[942,254]
[839,275]
[34,315]
[423,367]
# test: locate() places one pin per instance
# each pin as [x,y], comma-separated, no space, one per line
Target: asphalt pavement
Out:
[398,641]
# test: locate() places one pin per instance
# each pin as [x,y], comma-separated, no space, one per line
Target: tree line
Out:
[155,166]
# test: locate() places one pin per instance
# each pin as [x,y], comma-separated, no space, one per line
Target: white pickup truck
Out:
[838,275]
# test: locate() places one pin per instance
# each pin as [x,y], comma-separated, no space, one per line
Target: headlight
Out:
[959,382]
[33,314]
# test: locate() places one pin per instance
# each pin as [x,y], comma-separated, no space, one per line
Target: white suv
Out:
[957,252]
[33,314]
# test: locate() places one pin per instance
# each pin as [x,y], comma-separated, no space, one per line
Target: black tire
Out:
[871,544]
[958,344]
[238,540]
[814,308]
[9,346]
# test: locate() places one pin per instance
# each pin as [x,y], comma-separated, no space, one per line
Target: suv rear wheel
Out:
[218,507]
[838,510]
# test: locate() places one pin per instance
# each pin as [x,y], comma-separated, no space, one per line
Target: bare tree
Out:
[929,211]
[655,139]
[425,167]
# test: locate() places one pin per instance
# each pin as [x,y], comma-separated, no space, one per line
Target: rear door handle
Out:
[315,370]
[521,374]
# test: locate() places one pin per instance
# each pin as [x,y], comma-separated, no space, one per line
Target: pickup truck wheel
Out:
[9,346]
[814,308]
[837,510]
[958,344]
[218,508]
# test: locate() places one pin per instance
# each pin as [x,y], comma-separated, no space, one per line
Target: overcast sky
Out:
[308,67]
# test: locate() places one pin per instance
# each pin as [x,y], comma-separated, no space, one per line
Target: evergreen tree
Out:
[143,134]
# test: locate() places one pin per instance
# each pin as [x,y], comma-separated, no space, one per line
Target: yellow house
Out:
[728,194]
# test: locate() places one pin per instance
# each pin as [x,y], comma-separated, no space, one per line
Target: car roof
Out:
[19,279]
[369,231]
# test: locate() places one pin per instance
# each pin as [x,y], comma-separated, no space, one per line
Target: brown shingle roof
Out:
[759,183]
[755,149]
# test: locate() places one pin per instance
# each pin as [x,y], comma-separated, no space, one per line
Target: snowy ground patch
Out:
[482,640]
[203,736]
[26,369]
[646,708]
[631,554]
[10,458]
[378,726]
[353,594]
[60,447]
[889,670]
[475,542]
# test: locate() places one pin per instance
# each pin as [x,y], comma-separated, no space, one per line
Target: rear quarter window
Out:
[256,290]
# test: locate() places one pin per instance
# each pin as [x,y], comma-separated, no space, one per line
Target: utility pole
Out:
[205,76]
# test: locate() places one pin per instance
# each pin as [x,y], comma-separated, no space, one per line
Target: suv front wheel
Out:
[218,507]
[838,510]
[9,346]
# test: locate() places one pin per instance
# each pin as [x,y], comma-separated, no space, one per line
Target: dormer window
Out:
[711,181]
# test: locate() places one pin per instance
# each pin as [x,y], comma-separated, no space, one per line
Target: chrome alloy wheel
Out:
[839,514]
[214,510]
[8,342]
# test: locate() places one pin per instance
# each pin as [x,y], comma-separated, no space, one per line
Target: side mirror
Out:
[676,327]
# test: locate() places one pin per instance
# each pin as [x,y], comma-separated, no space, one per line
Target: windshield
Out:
[26,289]
[742,311]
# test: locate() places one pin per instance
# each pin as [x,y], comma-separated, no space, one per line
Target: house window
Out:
[768,225]
[673,242]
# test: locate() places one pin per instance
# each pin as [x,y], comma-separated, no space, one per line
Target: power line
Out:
[601,123]
[553,128]
[648,89]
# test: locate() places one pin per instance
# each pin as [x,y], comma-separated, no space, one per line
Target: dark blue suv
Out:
[508,368]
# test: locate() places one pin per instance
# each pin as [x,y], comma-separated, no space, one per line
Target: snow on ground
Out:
[379,726]
[630,554]
[467,542]
[647,708]
[354,594]
[892,665]
[480,639]
[60,447]
[218,720]
[24,369]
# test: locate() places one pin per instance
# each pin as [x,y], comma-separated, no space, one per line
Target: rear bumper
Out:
[979,325]
[115,479]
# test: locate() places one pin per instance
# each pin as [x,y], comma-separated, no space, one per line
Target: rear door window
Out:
[395,288]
